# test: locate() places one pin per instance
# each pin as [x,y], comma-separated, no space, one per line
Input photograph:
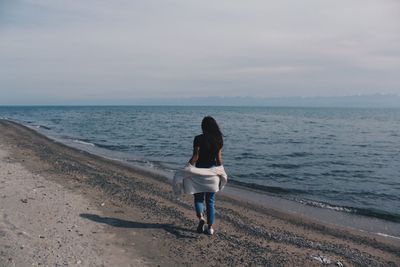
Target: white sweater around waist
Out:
[191,180]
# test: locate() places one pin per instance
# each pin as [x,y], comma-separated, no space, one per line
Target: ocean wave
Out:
[83,142]
[43,127]
[142,162]
[322,205]
[257,175]
[298,154]
[269,189]
[289,193]
[338,163]
[246,155]
[361,145]
[284,165]
[374,213]
[386,235]
[56,121]
[295,142]
[111,147]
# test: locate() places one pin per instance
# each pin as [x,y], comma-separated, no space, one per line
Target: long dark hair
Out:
[212,132]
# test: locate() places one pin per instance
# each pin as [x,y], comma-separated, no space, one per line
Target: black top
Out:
[207,153]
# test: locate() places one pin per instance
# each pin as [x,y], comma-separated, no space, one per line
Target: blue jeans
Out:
[199,205]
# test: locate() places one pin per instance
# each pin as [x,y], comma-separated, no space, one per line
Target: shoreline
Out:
[373,226]
[354,200]
[254,234]
[360,222]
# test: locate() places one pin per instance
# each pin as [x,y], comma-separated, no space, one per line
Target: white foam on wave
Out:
[324,205]
[386,235]
[82,142]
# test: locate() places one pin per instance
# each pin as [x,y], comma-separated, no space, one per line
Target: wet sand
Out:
[120,216]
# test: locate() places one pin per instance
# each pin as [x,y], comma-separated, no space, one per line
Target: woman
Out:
[207,152]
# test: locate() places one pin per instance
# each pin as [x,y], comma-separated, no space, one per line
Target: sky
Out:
[63,51]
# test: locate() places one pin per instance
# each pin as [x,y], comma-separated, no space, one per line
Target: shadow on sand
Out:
[177,231]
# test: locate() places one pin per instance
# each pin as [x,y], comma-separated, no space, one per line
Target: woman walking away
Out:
[207,153]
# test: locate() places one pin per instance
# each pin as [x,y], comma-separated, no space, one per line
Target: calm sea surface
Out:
[342,159]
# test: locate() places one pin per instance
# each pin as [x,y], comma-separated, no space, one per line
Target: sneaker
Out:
[209,230]
[200,227]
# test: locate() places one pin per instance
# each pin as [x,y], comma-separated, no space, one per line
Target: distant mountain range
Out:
[375,101]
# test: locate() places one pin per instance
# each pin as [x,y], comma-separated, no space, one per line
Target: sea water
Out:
[342,159]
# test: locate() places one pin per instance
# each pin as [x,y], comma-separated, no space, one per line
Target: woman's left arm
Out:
[219,158]
[195,155]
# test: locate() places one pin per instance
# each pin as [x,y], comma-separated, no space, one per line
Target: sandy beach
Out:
[64,207]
